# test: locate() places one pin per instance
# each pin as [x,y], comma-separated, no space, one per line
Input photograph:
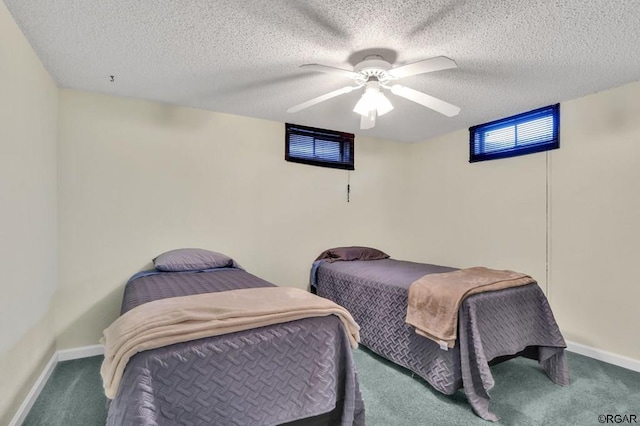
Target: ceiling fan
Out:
[375,74]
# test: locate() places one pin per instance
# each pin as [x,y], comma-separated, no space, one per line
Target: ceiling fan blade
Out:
[425,100]
[428,65]
[322,98]
[368,121]
[331,70]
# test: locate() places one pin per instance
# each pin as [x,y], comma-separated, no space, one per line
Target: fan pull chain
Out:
[348,185]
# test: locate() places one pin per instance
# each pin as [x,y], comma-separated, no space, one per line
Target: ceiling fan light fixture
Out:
[373,100]
[383,104]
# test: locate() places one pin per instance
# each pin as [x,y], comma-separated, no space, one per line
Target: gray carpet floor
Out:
[523,395]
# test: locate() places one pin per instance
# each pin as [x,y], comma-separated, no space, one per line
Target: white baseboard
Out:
[83,352]
[604,356]
[63,355]
[31,397]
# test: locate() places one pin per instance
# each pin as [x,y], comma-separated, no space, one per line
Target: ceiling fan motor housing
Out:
[374,66]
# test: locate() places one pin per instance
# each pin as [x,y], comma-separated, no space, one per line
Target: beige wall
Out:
[137,178]
[482,214]
[595,205]
[494,214]
[28,272]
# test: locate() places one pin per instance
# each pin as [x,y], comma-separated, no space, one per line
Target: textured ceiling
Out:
[243,57]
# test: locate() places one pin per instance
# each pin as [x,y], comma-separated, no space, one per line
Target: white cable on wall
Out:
[548,224]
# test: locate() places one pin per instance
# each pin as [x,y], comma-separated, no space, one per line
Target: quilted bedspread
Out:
[491,325]
[299,372]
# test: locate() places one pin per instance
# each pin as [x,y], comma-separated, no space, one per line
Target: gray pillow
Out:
[191,259]
[352,253]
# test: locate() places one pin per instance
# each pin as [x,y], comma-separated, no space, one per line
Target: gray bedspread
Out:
[491,325]
[296,373]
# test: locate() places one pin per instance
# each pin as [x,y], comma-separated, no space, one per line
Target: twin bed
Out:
[492,326]
[296,373]
[302,372]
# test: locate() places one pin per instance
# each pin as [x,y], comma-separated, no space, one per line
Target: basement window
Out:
[318,147]
[526,133]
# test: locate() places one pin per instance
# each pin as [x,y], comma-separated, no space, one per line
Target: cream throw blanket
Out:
[180,319]
[434,299]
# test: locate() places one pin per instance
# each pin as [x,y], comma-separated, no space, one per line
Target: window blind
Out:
[319,147]
[526,133]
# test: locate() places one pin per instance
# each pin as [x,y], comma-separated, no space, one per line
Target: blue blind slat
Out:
[525,133]
[319,147]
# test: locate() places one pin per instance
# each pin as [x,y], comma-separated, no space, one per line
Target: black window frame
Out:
[346,141]
[476,135]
